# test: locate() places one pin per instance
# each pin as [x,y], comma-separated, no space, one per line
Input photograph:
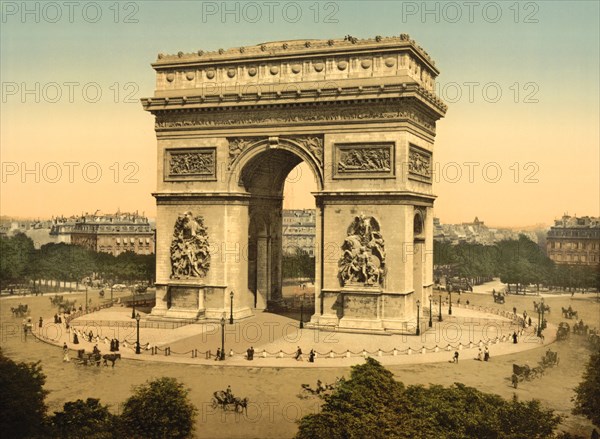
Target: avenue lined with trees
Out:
[518,263]
[22,264]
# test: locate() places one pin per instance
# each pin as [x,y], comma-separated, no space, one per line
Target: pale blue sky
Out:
[554,61]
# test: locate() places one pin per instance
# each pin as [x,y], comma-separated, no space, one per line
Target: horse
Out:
[112,358]
[220,398]
[20,310]
[241,405]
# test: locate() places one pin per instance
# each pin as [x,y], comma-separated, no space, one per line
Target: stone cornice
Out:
[296,49]
[374,197]
[201,197]
[277,95]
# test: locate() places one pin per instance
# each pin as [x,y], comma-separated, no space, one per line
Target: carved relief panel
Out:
[420,164]
[364,160]
[190,164]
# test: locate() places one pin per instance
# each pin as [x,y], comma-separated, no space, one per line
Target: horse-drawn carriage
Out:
[580,328]
[569,313]
[56,300]
[225,400]
[498,297]
[20,310]
[563,331]
[539,307]
[140,289]
[525,373]
[458,285]
[550,359]
[90,358]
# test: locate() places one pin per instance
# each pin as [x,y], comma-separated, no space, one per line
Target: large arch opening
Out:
[270,176]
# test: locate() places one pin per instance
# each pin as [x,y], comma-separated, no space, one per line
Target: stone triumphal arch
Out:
[232,124]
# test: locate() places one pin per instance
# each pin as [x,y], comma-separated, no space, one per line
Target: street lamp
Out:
[137,343]
[111,294]
[440,316]
[450,305]
[302,312]
[543,323]
[540,317]
[418,327]
[222,338]
[430,313]
[86,298]
[133,301]
[231,308]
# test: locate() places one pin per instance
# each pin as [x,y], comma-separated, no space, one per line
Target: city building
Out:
[62,228]
[299,231]
[476,232]
[114,234]
[574,240]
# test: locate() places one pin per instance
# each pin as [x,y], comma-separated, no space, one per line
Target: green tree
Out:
[372,404]
[17,252]
[587,393]
[298,265]
[88,419]
[22,407]
[159,409]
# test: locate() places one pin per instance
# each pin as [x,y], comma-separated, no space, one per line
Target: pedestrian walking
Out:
[311,356]
[514,336]
[486,354]
[66,358]
[298,356]
[41,323]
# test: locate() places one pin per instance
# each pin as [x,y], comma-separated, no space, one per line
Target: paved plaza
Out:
[276,338]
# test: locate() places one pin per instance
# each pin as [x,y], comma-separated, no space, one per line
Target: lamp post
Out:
[302,312]
[222,338]
[430,313]
[231,308]
[440,316]
[86,298]
[450,305]
[418,317]
[543,326]
[137,343]
[111,294]
[540,314]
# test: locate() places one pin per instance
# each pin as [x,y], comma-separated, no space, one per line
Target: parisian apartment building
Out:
[114,233]
[574,240]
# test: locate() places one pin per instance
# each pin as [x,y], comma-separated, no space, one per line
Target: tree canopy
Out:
[515,261]
[88,419]
[22,406]
[587,393]
[159,409]
[371,403]
[21,262]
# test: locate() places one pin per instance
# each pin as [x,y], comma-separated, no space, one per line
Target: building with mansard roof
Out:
[115,233]
[574,240]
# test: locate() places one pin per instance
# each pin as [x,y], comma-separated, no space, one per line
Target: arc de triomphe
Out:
[232,124]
